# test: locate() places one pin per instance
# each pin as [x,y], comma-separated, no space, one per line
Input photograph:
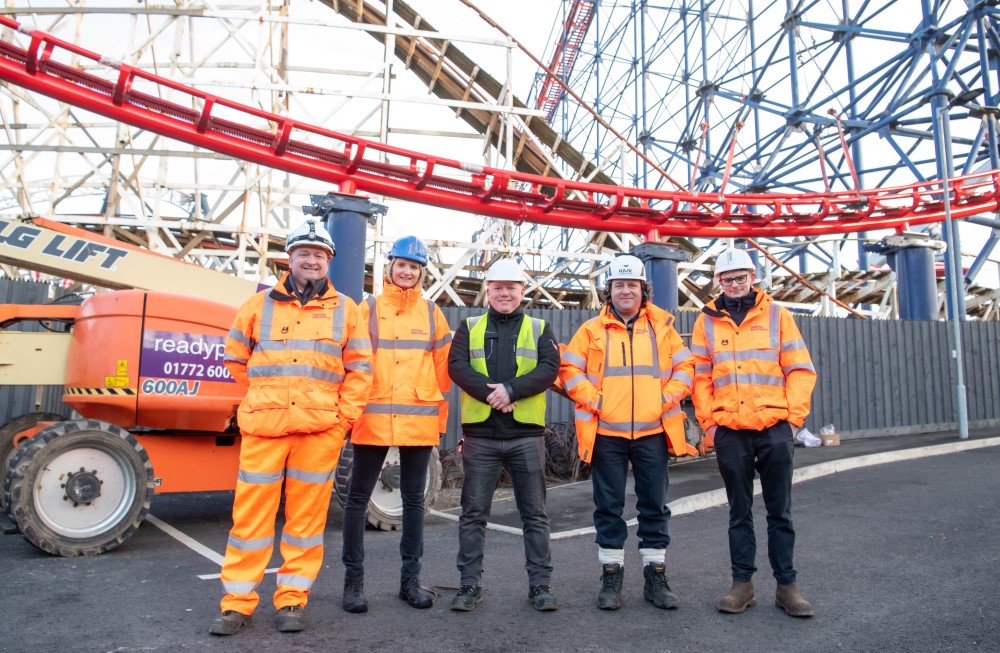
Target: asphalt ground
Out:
[898,550]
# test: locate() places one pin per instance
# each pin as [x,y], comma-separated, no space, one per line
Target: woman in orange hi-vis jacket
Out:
[752,387]
[628,370]
[303,350]
[407,409]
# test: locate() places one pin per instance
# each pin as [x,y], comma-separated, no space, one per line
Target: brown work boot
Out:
[739,598]
[790,600]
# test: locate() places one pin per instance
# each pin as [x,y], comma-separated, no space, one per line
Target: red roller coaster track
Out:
[447,183]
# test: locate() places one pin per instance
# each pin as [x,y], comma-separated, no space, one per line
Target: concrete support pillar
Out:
[345,217]
[661,261]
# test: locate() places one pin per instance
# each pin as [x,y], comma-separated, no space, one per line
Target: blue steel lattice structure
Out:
[782,96]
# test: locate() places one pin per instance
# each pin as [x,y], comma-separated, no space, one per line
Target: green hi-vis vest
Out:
[529,410]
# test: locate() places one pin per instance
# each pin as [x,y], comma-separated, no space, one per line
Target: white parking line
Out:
[186,540]
[194,545]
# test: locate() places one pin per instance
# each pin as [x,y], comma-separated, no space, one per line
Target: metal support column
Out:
[345,217]
[954,279]
[911,257]
[661,261]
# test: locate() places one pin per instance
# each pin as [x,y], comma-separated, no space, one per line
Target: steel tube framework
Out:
[789,96]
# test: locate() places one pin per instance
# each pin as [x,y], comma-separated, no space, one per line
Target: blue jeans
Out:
[483,460]
[769,452]
[609,472]
[365,472]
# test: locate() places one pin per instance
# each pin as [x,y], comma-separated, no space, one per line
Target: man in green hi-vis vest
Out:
[503,361]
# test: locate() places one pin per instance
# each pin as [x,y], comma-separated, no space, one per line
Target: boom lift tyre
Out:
[8,445]
[79,487]
[385,510]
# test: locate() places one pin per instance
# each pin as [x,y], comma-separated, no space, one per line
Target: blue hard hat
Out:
[410,248]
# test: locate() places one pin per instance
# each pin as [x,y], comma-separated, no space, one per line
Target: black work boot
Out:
[291,619]
[468,597]
[229,623]
[411,592]
[656,589]
[354,596]
[610,596]
[542,598]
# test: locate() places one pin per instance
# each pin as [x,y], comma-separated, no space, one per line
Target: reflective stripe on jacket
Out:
[750,376]
[529,410]
[410,339]
[308,368]
[628,387]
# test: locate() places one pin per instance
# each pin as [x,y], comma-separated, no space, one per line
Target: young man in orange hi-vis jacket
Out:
[407,409]
[628,370]
[303,350]
[752,388]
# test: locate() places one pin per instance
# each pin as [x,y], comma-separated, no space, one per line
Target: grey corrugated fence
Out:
[875,377]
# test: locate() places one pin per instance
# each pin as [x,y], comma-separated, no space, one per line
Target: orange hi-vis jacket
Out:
[309,368]
[626,387]
[750,376]
[410,338]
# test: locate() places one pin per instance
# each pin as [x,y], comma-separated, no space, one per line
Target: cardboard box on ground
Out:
[829,436]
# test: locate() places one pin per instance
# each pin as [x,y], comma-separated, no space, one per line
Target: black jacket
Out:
[501,364]
[737,309]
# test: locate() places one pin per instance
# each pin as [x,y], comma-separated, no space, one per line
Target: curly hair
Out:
[647,292]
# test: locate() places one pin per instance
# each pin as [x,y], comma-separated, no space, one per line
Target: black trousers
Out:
[769,452]
[365,471]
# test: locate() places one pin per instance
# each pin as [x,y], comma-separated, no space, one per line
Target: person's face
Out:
[736,283]
[404,273]
[505,296]
[626,296]
[308,263]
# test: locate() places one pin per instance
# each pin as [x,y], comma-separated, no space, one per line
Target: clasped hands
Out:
[499,399]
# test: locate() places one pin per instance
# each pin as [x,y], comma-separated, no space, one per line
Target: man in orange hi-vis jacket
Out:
[752,388]
[304,352]
[628,370]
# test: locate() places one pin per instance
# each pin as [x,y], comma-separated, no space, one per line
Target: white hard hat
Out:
[313,234]
[505,270]
[626,267]
[733,259]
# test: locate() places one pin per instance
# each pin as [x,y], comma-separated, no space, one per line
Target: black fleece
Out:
[736,309]
[313,289]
